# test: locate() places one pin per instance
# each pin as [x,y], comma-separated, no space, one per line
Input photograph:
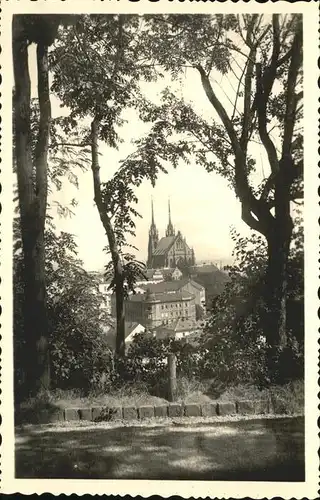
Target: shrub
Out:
[79,355]
[146,362]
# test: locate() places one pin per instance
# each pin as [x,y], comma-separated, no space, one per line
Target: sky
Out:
[203,207]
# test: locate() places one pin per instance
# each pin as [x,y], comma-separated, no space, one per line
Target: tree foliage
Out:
[98,64]
[263,57]
[235,332]
[79,355]
[147,357]
[31,156]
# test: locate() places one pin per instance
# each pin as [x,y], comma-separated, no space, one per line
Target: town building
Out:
[106,293]
[158,275]
[171,250]
[155,309]
[211,278]
[131,330]
[178,329]
[184,284]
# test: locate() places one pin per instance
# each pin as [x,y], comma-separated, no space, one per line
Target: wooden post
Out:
[172,372]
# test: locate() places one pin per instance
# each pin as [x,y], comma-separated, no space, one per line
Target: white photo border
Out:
[186,489]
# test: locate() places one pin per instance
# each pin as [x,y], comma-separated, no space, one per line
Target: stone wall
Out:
[170,410]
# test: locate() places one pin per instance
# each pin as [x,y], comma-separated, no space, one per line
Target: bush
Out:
[146,362]
[232,359]
[79,354]
[234,348]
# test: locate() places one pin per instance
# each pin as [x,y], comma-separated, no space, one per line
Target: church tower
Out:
[153,238]
[170,229]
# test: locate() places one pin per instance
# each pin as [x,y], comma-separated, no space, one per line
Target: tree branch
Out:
[41,159]
[284,58]
[268,186]
[292,97]
[251,221]
[261,100]
[73,145]
[247,115]
[213,99]
[243,190]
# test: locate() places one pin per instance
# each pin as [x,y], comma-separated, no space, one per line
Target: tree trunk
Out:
[115,255]
[279,239]
[32,191]
[120,339]
[35,313]
[276,291]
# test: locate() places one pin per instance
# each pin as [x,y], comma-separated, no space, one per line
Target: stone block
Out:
[129,412]
[161,411]
[209,409]
[175,410]
[226,409]
[105,414]
[49,416]
[146,412]
[99,414]
[85,414]
[262,406]
[192,410]
[71,414]
[116,413]
[57,416]
[245,407]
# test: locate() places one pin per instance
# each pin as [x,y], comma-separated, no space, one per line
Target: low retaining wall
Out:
[170,410]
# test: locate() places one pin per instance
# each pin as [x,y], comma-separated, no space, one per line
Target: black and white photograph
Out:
[158,231]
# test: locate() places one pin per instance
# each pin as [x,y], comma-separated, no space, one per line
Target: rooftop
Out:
[205,269]
[164,245]
[170,286]
[161,297]
[179,325]
[111,333]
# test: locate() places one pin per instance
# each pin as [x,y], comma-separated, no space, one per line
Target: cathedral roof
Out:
[164,245]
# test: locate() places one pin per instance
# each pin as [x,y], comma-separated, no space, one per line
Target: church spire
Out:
[170,230]
[153,238]
[152,213]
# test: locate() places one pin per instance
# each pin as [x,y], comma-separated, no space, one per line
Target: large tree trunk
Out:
[32,189]
[276,291]
[279,239]
[35,313]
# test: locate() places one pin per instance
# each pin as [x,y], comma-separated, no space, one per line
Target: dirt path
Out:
[247,449]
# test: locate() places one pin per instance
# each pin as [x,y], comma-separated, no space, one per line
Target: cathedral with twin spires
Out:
[169,251]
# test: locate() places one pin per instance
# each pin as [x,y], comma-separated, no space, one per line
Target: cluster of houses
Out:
[166,304]
[173,299]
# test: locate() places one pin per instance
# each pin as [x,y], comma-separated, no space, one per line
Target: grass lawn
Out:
[269,449]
